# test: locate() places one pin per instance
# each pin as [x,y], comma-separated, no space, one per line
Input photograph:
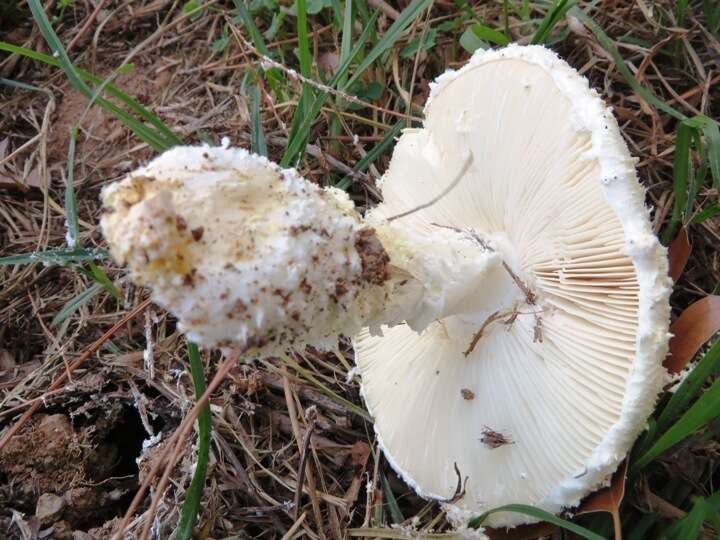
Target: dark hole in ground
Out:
[89,461]
[127,435]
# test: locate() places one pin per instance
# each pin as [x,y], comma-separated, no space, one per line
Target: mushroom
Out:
[249,255]
[508,297]
[537,395]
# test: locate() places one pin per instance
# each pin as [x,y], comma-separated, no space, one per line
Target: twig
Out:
[466,165]
[85,26]
[386,8]
[492,318]
[57,383]
[172,453]
[292,530]
[303,459]
[319,86]
[312,488]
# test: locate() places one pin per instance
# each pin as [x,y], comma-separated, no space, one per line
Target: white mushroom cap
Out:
[568,378]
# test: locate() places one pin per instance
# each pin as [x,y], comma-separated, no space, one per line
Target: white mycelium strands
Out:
[560,381]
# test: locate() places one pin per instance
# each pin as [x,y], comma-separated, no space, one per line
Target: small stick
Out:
[312,488]
[57,383]
[303,459]
[466,165]
[492,318]
[292,530]
[172,453]
[85,26]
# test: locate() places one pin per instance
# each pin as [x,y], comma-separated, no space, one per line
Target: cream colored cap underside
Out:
[535,184]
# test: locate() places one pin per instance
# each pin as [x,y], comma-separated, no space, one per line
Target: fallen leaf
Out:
[679,253]
[691,330]
[34,178]
[607,499]
[359,454]
[7,361]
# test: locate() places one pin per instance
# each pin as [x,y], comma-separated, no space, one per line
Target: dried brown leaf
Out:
[692,329]
[679,253]
[359,454]
[34,178]
[604,500]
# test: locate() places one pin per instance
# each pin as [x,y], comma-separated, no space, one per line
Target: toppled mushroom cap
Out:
[537,396]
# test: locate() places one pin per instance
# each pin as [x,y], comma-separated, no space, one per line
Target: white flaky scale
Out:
[562,380]
[514,298]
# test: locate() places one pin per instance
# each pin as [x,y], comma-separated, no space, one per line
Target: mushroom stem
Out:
[245,253]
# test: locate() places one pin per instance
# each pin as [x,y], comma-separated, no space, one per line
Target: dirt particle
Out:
[340,287]
[197,233]
[467,394]
[373,257]
[49,507]
[494,439]
[297,229]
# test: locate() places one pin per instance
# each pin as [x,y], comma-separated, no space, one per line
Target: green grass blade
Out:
[689,527]
[160,138]
[53,257]
[323,388]
[303,39]
[554,15]
[56,46]
[710,212]
[680,12]
[257,135]
[346,40]
[485,33]
[193,496]
[538,514]
[390,37]
[102,278]
[711,9]
[65,64]
[607,44]
[252,29]
[395,512]
[704,410]
[76,303]
[21,85]
[71,213]
[688,390]
[691,387]
[681,172]
[297,144]
[373,154]
[296,134]
[711,132]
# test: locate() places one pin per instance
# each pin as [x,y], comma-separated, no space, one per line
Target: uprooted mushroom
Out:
[508,299]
